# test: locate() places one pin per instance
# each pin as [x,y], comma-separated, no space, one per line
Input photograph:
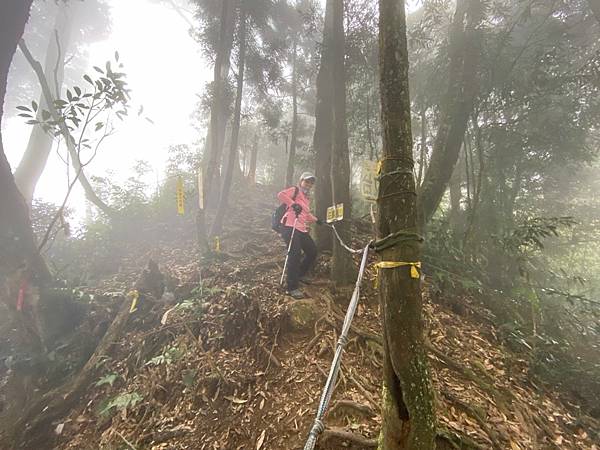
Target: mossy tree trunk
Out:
[323,137]
[408,407]
[342,268]
[457,104]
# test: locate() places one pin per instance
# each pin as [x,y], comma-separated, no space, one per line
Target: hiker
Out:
[296,199]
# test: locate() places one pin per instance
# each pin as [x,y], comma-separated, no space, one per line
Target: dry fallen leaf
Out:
[261,440]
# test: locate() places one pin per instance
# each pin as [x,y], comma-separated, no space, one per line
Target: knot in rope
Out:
[342,341]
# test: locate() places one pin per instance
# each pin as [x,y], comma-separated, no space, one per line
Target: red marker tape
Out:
[21,296]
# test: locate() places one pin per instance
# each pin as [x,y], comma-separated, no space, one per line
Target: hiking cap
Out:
[307,176]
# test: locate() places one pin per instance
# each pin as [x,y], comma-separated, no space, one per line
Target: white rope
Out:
[318,426]
[351,250]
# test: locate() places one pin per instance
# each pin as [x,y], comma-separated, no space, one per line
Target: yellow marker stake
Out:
[180,196]
[217,244]
[135,295]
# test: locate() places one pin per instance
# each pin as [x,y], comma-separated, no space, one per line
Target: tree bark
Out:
[39,146]
[218,113]
[235,129]
[66,134]
[408,407]
[465,52]
[342,267]
[595,7]
[289,176]
[323,136]
[253,159]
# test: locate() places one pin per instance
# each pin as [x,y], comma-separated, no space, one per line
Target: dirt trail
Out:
[236,364]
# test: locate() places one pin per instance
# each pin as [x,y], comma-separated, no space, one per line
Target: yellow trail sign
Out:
[180,196]
[335,213]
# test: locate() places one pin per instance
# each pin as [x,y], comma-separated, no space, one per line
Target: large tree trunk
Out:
[323,137]
[289,176]
[408,408]
[38,148]
[342,268]
[465,51]
[235,129]
[66,134]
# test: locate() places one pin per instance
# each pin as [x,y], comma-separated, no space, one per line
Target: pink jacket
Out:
[305,216]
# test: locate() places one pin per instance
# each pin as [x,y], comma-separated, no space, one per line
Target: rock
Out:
[303,314]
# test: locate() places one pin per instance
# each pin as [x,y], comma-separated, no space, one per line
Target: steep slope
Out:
[227,361]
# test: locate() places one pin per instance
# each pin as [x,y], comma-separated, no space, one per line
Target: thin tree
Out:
[341,265]
[408,408]
[458,102]
[289,176]
[235,128]
[33,161]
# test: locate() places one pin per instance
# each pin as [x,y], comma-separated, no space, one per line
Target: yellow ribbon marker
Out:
[180,196]
[135,295]
[415,267]
[217,244]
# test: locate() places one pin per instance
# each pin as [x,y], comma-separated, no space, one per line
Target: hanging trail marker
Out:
[369,184]
[180,196]
[335,213]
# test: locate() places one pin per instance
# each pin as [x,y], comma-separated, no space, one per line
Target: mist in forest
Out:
[198,197]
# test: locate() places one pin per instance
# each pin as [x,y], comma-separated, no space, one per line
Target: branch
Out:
[73,151]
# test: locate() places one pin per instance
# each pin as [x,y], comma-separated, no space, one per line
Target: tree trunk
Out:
[39,146]
[465,51]
[235,129]
[342,267]
[595,7]
[66,134]
[218,112]
[323,137]
[422,145]
[253,158]
[289,176]
[454,217]
[408,407]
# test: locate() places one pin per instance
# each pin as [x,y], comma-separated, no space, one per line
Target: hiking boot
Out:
[296,293]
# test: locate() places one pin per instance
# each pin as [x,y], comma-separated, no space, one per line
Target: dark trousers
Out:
[297,266]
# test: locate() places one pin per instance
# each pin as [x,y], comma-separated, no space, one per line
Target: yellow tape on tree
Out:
[414,266]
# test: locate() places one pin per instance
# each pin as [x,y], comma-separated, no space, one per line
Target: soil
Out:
[225,360]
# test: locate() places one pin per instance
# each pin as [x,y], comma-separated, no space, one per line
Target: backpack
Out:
[277,215]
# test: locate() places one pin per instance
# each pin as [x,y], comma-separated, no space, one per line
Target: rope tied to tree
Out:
[318,426]
[393,239]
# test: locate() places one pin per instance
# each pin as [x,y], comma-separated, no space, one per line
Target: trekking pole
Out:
[288,251]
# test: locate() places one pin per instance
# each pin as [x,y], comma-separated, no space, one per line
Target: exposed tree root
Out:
[32,427]
[358,440]
[359,408]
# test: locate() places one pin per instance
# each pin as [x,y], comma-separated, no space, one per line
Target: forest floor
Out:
[230,362]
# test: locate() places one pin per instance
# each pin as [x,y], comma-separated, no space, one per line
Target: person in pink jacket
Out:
[298,213]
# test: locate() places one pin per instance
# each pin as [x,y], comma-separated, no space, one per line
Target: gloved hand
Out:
[319,221]
[297,208]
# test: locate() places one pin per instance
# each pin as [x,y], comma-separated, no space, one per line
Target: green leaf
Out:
[107,379]
[25,115]
[116,56]
[34,105]
[98,69]
[88,79]
[77,90]
[23,108]
[45,115]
